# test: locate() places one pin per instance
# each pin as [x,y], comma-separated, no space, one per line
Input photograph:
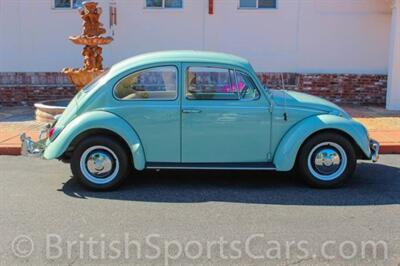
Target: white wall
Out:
[332,36]
[34,36]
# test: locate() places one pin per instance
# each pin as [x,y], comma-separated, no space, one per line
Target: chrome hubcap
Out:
[327,161]
[99,164]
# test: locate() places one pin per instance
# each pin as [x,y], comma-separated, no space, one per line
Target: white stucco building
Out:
[359,37]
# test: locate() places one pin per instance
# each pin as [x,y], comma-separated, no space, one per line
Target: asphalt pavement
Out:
[198,218]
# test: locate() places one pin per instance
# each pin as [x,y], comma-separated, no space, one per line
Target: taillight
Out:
[51,132]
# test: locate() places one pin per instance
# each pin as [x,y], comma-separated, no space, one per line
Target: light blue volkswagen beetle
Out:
[199,110]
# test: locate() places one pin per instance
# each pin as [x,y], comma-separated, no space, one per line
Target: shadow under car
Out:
[372,184]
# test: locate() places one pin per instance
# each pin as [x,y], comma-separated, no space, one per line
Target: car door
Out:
[225,118]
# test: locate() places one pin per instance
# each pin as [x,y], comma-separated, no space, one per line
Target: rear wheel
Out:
[100,163]
[327,160]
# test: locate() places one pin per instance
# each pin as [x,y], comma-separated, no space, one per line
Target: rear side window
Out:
[210,83]
[159,83]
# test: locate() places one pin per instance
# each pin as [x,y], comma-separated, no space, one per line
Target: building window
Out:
[68,3]
[257,3]
[164,3]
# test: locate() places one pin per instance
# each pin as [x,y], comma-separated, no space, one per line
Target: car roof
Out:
[180,56]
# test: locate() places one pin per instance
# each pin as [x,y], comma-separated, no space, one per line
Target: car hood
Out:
[303,100]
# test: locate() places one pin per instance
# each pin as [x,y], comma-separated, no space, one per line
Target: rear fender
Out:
[97,120]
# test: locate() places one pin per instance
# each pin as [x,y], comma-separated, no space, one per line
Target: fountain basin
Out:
[45,111]
[81,77]
[91,41]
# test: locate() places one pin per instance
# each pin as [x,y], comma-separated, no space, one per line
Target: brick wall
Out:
[28,88]
[338,88]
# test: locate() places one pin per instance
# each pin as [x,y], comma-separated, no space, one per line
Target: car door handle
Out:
[191,111]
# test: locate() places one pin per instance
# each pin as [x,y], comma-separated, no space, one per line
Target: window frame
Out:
[71,6]
[177,81]
[163,7]
[231,80]
[252,83]
[257,6]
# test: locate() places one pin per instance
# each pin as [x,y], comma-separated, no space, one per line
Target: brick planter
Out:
[32,87]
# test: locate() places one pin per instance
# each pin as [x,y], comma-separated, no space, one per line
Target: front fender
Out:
[286,153]
[97,120]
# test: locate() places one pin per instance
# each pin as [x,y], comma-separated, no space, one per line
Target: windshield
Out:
[94,82]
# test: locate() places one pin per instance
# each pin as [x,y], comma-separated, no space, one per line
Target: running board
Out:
[212,166]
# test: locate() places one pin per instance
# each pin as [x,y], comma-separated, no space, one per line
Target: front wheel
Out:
[327,160]
[100,163]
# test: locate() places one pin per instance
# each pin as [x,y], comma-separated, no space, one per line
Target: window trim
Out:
[148,99]
[162,6]
[231,79]
[252,83]
[257,7]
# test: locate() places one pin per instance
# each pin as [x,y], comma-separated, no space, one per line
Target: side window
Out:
[246,87]
[210,83]
[158,83]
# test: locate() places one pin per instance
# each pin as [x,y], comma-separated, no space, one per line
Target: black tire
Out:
[116,158]
[311,160]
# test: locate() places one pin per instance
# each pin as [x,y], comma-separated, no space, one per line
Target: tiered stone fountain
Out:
[93,61]
[92,52]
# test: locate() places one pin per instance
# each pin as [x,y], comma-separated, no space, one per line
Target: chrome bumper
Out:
[34,148]
[374,146]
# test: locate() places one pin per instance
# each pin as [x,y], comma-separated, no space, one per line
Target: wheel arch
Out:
[96,132]
[293,140]
[359,153]
[97,122]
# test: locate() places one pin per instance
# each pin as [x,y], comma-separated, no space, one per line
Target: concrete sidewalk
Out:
[13,121]
[383,126]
